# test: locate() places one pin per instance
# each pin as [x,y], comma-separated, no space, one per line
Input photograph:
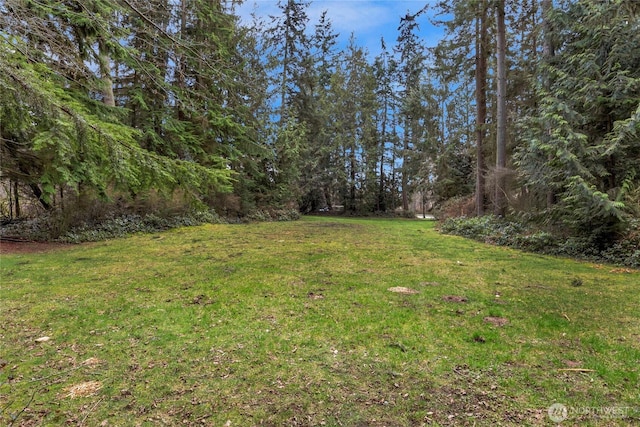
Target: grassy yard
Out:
[294,324]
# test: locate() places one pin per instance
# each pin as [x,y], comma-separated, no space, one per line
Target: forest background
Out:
[527,110]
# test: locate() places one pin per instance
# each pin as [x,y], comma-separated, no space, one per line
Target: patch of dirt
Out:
[572,363]
[333,225]
[496,321]
[27,247]
[312,295]
[479,338]
[472,398]
[88,388]
[455,298]
[403,290]
[92,362]
[201,299]
[622,271]
[429,284]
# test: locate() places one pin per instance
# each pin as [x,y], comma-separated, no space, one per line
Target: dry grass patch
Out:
[496,321]
[84,389]
[403,290]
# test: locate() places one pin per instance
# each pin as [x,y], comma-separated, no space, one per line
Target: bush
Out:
[463,206]
[265,215]
[523,236]
[129,224]
[58,226]
[539,241]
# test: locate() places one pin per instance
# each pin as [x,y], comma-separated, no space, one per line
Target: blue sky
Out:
[368,20]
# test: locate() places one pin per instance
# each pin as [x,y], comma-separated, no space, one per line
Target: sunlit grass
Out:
[285,323]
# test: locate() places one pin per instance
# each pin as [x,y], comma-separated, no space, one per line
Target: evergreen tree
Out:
[466,47]
[583,142]
[384,72]
[348,96]
[314,110]
[288,47]
[411,67]
[71,65]
[500,199]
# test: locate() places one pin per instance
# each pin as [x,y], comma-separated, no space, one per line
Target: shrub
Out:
[539,241]
[129,224]
[456,207]
[524,236]
[478,228]
[264,215]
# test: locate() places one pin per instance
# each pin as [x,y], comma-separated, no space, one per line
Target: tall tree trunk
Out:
[415,132]
[548,51]
[352,176]
[181,80]
[37,192]
[392,163]
[481,102]
[283,85]
[405,183]
[381,205]
[288,45]
[105,74]
[500,207]
[16,199]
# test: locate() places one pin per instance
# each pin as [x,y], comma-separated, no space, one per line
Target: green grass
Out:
[293,324]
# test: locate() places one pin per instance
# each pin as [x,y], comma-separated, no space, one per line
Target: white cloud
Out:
[359,17]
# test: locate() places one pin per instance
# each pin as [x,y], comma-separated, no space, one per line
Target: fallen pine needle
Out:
[577,370]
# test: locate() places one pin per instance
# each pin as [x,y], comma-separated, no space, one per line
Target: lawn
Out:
[295,324]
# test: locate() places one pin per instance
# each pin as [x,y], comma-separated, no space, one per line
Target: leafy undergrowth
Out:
[490,229]
[50,228]
[295,324]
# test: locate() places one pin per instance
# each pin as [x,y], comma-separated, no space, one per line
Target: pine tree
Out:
[411,66]
[288,47]
[384,72]
[500,199]
[467,47]
[582,144]
[81,138]
[314,110]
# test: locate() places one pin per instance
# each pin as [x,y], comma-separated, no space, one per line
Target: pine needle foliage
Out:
[583,143]
[76,113]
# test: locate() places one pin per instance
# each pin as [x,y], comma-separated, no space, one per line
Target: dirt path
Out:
[25,247]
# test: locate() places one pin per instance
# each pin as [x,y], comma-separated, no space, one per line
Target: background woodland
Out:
[525,109]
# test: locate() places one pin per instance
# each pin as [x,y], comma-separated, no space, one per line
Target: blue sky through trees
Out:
[368,20]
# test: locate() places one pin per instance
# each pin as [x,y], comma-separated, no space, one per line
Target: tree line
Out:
[528,107]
